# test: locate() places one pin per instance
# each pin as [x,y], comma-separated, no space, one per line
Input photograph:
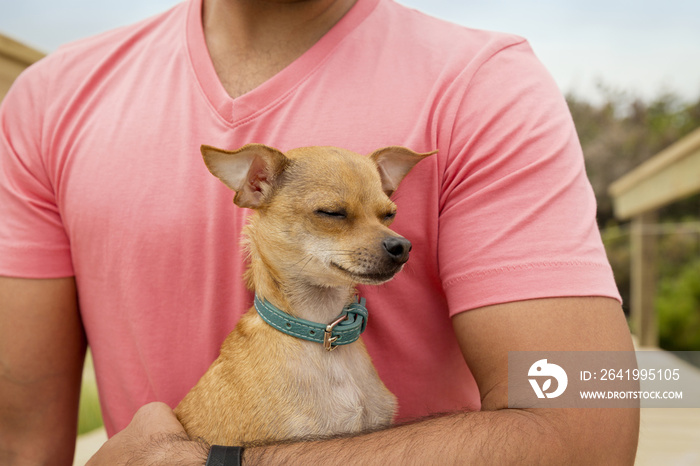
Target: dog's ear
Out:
[394,163]
[251,171]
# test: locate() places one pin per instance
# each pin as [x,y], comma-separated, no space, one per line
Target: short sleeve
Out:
[33,241]
[517,213]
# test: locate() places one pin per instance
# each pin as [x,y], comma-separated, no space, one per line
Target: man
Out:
[114,233]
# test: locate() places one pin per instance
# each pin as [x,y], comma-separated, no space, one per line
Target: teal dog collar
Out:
[345,329]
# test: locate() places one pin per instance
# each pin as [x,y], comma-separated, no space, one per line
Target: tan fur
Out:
[266,385]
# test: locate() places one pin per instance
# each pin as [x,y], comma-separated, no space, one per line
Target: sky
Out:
[639,47]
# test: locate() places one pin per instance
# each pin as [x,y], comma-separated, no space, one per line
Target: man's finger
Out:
[156,417]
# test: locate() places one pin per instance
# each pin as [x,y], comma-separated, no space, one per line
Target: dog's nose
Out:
[397,248]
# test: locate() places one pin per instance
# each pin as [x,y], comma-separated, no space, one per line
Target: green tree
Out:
[623,131]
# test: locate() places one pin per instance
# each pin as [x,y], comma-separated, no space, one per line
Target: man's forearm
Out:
[497,437]
[506,436]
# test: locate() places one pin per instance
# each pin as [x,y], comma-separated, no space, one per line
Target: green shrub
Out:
[89,413]
[678,307]
[678,286]
[616,239]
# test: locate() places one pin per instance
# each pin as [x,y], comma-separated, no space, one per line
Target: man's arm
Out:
[498,435]
[42,348]
[495,435]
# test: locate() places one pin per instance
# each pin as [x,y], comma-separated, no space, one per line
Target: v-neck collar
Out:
[259,100]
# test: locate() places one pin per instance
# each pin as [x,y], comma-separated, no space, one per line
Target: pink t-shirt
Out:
[101,178]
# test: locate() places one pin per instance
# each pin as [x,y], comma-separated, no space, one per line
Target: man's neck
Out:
[252,40]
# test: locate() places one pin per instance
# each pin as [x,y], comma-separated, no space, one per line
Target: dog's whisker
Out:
[301,260]
[307,263]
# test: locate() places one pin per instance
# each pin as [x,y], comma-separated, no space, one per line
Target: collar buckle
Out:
[328,338]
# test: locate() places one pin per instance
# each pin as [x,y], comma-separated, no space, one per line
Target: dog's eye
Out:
[339,214]
[390,216]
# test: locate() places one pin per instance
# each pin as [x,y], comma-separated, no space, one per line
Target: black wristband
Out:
[224,456]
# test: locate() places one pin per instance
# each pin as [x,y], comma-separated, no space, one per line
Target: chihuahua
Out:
[294,365]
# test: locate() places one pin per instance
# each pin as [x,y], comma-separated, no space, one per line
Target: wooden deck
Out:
[668,436]
[671,436]
[87,445]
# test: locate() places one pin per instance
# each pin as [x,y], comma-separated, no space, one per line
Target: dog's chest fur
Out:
[345,388]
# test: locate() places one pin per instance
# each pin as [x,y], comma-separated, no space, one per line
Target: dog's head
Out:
[323,213]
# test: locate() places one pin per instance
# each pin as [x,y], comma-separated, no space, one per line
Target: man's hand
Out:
[154,437]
